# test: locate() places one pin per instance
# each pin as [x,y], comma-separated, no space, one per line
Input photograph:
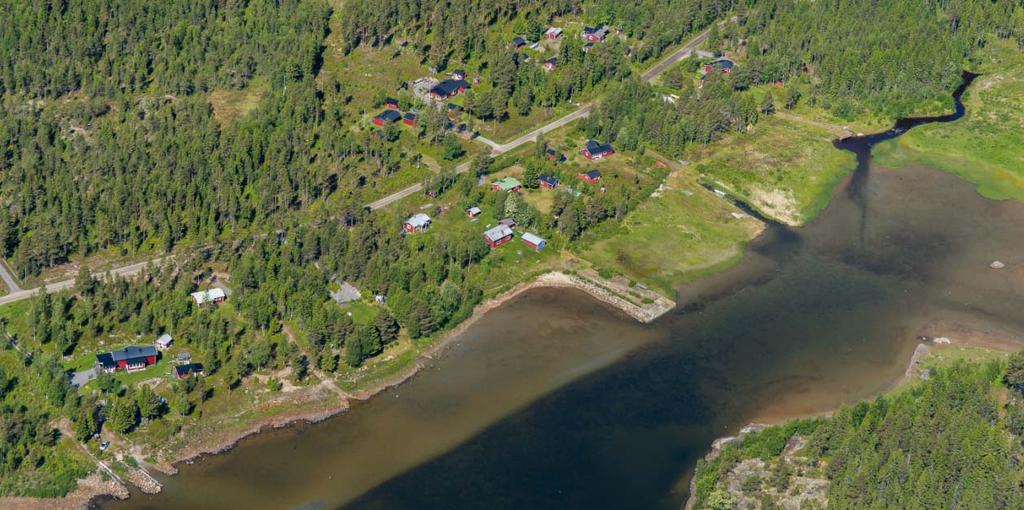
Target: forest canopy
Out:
[108,48]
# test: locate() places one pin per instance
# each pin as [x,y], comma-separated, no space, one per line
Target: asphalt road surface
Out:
[583,111]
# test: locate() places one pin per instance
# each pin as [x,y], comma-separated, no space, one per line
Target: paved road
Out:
[18,294]
[8,278]
[129,270]
[678,55]
[583,111]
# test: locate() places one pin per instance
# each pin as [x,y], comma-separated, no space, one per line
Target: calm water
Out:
[555,401]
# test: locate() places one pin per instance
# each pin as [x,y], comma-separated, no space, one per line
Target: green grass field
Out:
[984,147]
[682,232]
[784,168]
[231,105]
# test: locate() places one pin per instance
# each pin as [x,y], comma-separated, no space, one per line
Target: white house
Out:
[164,342]
[416,223]
[214,295]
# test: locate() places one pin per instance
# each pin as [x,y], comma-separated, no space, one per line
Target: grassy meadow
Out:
[681,232]
[983,147]
[784,168]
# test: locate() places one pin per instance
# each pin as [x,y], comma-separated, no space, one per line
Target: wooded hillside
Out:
[108,48]
[950,442]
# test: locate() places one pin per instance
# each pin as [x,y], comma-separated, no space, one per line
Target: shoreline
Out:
[93,489]
[924,348]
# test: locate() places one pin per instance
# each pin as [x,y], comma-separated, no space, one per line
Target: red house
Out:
[448,88]
[597,151]
[591,176]
[595,34]
[409,119]
[386,117]
[550,64]
[553,33]
[416,223]
[498,236]
[391,103]
[722,65]
[534,241]
[189,370]
[547,181]
[129,359]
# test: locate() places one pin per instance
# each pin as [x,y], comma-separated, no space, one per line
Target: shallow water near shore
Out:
[556,401]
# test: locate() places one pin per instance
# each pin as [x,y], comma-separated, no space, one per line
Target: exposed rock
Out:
[996,265]
[943,341]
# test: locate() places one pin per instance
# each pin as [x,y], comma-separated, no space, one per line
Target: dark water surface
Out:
[554,401]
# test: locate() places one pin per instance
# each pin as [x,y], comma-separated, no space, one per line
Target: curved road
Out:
[17,294]
[583,111]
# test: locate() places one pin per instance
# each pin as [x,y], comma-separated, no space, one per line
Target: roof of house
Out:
[598,148]
[206,296]
[389,115]
[187,369]
[533,239]
[593,174]
[551,61]
[409,116]
[346,293]
[165,339]
[723,63]
[473,210]
[599,30]
[548,179]
[497,233]
[518,41]
[507,183]
[418,220]
[458,72]
[553,31]
[508,222]
[108,359]
[447,87]
[390,100]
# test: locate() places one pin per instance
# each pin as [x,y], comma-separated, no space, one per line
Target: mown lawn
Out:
[784,168]
[984,147]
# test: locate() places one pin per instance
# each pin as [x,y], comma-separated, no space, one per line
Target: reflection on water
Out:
[809,320]
[512,356]
[554,401]
[805,323]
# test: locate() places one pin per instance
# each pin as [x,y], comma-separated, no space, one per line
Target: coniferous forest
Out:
[949,442]
[109,144]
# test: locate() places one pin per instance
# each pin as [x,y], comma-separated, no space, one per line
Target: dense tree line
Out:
[443,30]
[950,442]
[445,39]
[152,172]
[633,113]
[108,48]
[863,55]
